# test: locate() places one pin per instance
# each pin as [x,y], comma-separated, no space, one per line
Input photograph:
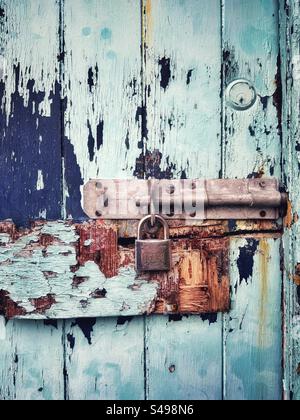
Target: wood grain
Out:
[252,148]
[60,270]
[290,18]
[32,355]
[181,91]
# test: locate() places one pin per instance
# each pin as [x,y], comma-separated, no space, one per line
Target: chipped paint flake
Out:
[40,181]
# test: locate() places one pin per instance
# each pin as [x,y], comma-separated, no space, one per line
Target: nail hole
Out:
[263,213]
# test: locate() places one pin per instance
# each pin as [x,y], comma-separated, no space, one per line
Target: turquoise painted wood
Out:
[252,146]
[102,106]
[289,42]
[182,97]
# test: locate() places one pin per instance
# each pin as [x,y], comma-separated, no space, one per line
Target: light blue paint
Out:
[106,34]
[111,55]
[253,40]
[86,31]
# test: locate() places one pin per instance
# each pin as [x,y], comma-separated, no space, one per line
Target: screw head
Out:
[240,94]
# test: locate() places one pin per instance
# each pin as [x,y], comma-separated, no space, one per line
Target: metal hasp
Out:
[239,199]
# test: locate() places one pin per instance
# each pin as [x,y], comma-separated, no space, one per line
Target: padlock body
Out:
[153,255]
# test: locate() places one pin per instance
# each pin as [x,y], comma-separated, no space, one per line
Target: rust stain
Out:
[43,303]
[289,218]
[8,307]
[264,256]
[77,281]
[98,243]
[148,22]
[99,294]
[46,240]
[8,228]
[296,277]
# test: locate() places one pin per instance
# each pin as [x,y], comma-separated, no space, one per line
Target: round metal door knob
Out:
[240,94]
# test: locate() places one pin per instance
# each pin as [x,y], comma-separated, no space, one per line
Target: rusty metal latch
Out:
[239,199]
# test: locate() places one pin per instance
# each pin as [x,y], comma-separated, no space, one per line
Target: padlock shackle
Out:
[157,217]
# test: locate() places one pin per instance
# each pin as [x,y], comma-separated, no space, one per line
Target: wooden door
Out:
[123,89]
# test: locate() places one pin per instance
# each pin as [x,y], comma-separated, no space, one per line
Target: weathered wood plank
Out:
[105,359]
[252,148]
[181,138]
[31,356]
[31,361]
[61,270]
[290,33]
[30,152]
[253,340]
[102,69]
[103,131]
[186,363]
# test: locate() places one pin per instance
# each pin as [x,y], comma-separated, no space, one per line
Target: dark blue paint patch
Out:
[133,84]
[51,323]
[127,141]
[245,260]
[91,142]
[232,225]
[142,119]
[92,80]
[264,100]
[165,72]
[211,318]
[189,76]
[148,165]
[71,340]
[87,327]
[175,318]
[2,13]
[123,319]
[106,33]
[298,294]
[28,144]
[230,64]
[251,131]
[183,175]
[74,181]
[100,132]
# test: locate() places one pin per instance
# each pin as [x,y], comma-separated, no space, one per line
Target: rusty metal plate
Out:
[197,199]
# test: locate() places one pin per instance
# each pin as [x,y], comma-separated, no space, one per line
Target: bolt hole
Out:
[98,185]
[106,202]
[263,213]
[193,214]
[98,214]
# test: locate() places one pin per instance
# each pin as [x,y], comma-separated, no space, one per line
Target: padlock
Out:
[153,254]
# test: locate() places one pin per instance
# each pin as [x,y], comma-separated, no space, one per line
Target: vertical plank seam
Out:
[62,108]
[62,180]
[289,290]
[222,175]
[282,42]
[144,106]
